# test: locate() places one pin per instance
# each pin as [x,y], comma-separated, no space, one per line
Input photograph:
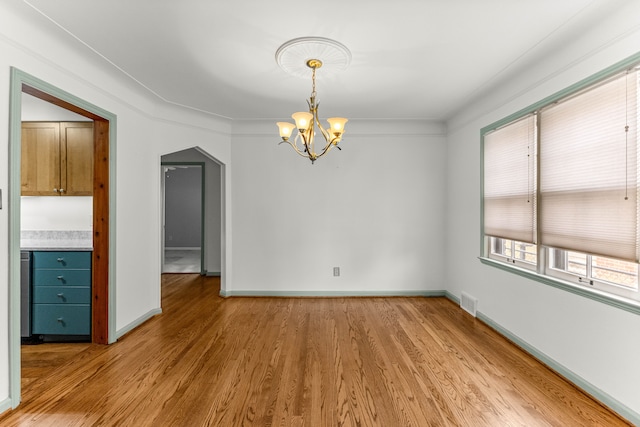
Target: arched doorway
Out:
[212,214]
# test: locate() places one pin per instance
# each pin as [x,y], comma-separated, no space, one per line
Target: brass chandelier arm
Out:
[308,153]
[295,148]
[325,134]
[306,145]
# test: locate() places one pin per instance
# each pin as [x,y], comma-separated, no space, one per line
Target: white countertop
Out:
[68,240]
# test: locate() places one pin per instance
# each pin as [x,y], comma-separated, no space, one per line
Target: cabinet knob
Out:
[62,190]
[61,295]
[60,277]
[60,259]
[55,190]
[60,320]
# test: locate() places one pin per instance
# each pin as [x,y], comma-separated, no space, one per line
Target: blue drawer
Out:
[61,277]
[62,319]
[61,295]
[61,259]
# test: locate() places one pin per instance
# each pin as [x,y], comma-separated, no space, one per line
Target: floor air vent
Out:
[468,303]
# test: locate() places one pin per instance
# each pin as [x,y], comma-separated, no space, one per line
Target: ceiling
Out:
[411,59]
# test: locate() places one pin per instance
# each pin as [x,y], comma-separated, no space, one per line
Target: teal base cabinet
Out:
[61,298]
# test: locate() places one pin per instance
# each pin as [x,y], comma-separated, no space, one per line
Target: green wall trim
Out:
[452,297]
[213,274]
[5,405]
[618,302]
[321,294]
[15,136]
[139,321]
[604,398]
[17,80]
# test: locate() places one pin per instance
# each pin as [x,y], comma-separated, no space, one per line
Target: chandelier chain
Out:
[313,79]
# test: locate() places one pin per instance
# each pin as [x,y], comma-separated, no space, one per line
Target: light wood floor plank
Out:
[209,361]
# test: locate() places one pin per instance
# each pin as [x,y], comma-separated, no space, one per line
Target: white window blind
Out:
[588,164]
[510,180]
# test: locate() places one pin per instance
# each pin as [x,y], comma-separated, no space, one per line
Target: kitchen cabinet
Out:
[61,286]
[57,159]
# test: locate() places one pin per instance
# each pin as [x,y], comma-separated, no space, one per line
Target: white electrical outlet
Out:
[336,271]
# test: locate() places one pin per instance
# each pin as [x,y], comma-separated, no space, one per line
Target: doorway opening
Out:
[100,220]
[192,183]
[183,225]
[103,220]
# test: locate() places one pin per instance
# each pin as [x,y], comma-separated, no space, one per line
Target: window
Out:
[509,181]
[597,272]
[512,251]
[560,188]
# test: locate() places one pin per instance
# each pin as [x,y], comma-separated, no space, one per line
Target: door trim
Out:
[103,298]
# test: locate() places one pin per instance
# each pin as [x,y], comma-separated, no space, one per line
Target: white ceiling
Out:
[416,59]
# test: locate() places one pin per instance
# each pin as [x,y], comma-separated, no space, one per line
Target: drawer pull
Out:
[60,259]
[60,277]
[60,319]
[61,295]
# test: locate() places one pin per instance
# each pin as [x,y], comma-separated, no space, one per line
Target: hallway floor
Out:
[182,261]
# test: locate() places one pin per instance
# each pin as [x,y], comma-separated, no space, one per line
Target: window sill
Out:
[613,300]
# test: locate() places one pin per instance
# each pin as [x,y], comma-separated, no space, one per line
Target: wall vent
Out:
[468,303]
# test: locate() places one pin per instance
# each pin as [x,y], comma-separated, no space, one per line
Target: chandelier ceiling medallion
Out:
[296,57]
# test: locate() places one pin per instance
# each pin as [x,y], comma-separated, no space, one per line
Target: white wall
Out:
[145,130]
[374,209]
[597,342]
[56,213]
[35,109]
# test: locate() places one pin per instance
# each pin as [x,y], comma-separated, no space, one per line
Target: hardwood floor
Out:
[299,362]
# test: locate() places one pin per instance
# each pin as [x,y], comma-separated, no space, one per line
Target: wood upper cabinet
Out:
[57,159]
[76,158]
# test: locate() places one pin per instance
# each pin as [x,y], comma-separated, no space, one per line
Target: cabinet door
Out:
[62,260]
[40,162]
[76,154]
[62,319]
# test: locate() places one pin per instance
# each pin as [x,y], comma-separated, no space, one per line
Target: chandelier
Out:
[306,123]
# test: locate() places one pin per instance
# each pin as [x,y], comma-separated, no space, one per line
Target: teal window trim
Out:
[582,84]
[610,299]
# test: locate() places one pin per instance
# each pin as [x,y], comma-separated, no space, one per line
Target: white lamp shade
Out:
[337,124]
[303,119]
[285,129]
